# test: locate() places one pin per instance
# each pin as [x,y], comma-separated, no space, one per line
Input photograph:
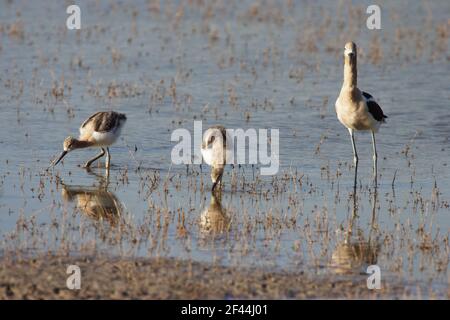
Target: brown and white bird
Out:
[356,109]
[100,130]
[217,151]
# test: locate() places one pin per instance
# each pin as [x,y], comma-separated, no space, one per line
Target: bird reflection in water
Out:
[351,255]
[214,220]
[96,202]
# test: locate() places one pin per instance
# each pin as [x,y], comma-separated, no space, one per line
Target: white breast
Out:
[208,156]
[214,156]
[106,138]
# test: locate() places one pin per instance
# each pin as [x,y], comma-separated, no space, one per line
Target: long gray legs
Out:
[101,154]
[375,158]
[108,159]
[107,162]
[355,157]
[355,154]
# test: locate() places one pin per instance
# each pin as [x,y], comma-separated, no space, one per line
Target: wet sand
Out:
[103,278]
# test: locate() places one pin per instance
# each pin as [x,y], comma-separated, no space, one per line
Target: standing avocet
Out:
[100,130]
[357,110]
[217,148]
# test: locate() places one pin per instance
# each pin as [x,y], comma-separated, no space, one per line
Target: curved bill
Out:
[57,160]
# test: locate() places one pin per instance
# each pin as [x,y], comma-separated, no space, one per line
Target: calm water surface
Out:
[244,66]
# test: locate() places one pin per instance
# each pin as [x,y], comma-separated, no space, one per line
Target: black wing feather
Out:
[90,119]
[366,95]
[105,123]
[376,111]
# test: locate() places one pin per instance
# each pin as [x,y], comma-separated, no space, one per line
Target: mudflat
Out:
[163,278]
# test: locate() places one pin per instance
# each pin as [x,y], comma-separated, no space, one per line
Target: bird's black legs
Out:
[375,159]
[101,154]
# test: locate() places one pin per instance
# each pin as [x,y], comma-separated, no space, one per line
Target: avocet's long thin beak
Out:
[55,162]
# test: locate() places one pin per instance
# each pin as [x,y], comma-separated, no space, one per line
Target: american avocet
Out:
[216,151]
[100,130]
[357,110]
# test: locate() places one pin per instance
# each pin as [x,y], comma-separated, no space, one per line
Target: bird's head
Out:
[350,49]
[211,137]
[69,143]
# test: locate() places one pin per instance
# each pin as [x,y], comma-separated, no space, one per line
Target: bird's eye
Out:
[211,140]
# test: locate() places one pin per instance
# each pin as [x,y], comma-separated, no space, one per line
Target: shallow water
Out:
[244,66]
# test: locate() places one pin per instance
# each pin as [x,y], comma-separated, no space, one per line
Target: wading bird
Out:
[100,130]
[357,110]
[217,151]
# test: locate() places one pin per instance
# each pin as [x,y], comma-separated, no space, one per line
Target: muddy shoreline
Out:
[164,278]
